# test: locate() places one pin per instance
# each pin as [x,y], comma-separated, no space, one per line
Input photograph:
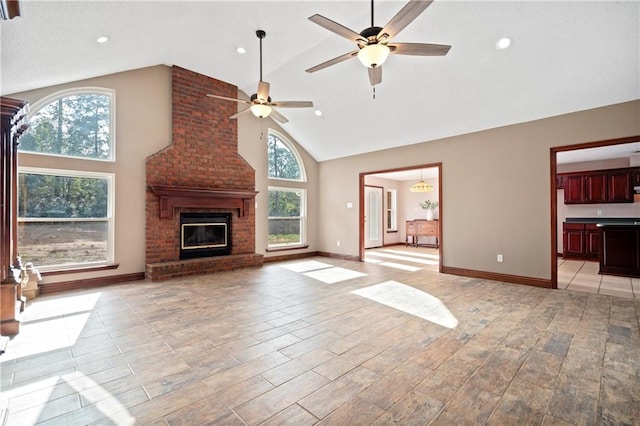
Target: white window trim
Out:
[393,210]
[41,103]
[302,217]
[110,219]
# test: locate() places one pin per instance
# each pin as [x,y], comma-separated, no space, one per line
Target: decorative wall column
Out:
[14,124]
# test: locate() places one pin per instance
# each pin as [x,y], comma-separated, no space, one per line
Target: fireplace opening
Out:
[205,235]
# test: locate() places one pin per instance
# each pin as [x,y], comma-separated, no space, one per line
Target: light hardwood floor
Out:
[325,341]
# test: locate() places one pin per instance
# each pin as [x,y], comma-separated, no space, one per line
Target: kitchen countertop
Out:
[606,221]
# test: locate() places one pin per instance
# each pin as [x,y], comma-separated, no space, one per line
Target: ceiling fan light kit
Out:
[373,55]
[260,110]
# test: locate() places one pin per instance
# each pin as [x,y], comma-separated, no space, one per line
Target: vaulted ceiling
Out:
[565,56]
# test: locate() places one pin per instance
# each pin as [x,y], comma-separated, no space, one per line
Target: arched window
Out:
[287,195]
[66,217]
[74,123]
[284,161]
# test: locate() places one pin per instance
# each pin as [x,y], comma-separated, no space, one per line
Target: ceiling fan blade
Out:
[239,113]
[419,49]
[404,17]
[279,117]
[375,75]
[243,101]
[336,28]
[263,90]
[333,61]
[292,104]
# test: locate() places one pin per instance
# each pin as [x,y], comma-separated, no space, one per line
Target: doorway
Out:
[395,184]
[580,153]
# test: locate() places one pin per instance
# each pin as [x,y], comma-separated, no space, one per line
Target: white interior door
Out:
[373,222]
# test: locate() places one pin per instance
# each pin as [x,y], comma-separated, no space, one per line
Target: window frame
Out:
[290,185]
[392,210]
[302,218]
[293,150]
[42,103]
[109,219]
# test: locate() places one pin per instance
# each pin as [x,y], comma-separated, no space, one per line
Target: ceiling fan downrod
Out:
[372,13]
[261,34]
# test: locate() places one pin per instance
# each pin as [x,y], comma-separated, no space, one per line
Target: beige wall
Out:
[495,188]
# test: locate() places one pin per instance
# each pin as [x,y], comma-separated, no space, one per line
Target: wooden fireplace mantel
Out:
[172,197]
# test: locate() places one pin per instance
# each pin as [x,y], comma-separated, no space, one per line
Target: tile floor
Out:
[325,341]
[583,276]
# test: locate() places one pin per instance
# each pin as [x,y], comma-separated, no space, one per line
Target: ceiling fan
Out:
[374,43]
[260,103]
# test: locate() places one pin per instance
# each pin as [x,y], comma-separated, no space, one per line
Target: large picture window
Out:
[286,217]
[65,218]
[77,123]
[287,196]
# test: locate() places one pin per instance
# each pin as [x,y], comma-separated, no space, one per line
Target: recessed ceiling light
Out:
[503,43]
[317,112]
[102,39]
[241,50]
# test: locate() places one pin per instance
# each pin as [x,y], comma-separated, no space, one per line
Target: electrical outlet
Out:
[338,243]
[599,212]
[500,258]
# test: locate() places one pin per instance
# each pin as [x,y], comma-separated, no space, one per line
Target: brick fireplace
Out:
[200,172]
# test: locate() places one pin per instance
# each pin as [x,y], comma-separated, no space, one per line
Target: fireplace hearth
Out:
[205,235]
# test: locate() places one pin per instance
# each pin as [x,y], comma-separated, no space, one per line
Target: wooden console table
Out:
[422,228]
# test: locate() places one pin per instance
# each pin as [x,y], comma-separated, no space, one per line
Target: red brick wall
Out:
[203,154]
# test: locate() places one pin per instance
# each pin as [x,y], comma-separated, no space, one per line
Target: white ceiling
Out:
[566,56]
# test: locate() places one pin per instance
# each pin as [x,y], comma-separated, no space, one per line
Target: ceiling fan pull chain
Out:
[374,92]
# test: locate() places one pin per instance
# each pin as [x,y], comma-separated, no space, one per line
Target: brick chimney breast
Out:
[204,155]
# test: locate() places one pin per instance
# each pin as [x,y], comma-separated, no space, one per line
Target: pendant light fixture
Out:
[421,186]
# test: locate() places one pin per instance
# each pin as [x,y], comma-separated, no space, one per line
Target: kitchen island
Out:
[619,252]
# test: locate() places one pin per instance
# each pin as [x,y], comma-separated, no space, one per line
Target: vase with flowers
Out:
[429,206]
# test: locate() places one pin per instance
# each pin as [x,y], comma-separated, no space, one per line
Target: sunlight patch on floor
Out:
[401,266]
[38,408]
[404,258]
[306,266]
[410,300]
[334,275]
[51,323]
[412,253]
[371,260]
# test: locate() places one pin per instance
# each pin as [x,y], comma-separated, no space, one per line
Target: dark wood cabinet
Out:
[635,177]
[580,240]
[595,188]
[601,187]
[573,239]
[620,247]
[620,189]
[591,241]
[574,189]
